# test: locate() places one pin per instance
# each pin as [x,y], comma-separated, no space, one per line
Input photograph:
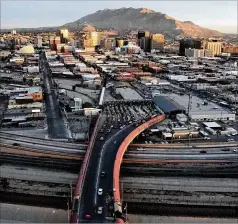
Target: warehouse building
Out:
[168,105]
[200,110]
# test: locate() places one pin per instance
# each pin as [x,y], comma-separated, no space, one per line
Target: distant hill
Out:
[136,19]
[142,19]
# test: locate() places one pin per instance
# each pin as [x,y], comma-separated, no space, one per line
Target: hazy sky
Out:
[220,15]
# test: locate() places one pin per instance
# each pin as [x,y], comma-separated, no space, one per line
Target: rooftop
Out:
[198,106]
[129,94]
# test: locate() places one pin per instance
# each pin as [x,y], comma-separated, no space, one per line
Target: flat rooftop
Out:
[197,105]
[129,94]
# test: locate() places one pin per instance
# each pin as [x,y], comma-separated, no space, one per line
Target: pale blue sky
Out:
[220,15]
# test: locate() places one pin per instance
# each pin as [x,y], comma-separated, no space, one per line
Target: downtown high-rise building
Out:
[189,43]
[214,45]
[64,35]
[144,40]
[157,42]
[38,41]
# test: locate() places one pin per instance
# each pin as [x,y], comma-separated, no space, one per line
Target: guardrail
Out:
[118,161]
[82,174]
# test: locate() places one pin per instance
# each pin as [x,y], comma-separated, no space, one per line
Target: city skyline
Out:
[26,14]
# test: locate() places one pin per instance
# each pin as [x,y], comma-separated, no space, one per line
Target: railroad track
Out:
[39,141]
[192,145]
[6,149]
[178,171]
[176,161]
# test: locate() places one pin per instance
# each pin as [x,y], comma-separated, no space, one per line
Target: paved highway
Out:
[44,148]
[120,118]
[56,126]
[21,138]
[102,160]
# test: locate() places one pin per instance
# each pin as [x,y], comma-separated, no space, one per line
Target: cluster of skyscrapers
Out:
[149,42]
[200,48]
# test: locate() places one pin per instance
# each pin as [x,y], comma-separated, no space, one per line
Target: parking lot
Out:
[122,113]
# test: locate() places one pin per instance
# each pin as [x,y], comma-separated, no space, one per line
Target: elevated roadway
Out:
[100,158]
[119,156]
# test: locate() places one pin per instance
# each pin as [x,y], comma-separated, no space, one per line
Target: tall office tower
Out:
[108,43]
[144,40]
[119,42]
[52,43]
[140,34]
[95,38]
[64,35]
[214,45]
[157,42]
[38,41]
[13,32]
[189,43]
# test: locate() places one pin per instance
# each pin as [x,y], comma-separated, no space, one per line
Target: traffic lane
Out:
[108,165]
[87,204]
[90,191]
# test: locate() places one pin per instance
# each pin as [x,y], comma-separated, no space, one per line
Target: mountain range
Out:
[136,19]
[142,19]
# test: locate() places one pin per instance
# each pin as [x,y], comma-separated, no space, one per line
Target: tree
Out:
[87,105]
[30,82]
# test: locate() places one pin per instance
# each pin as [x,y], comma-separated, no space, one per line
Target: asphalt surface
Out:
[12,213]
[102,159]
[56,126]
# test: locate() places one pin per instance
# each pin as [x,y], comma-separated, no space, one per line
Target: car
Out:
[100,191]
[115,142]
[206,138]
[103,174]
[235,150]
[101,139]
[203,151]
[228,135]
[16,144]
[140,149]
[87,216]
[225,150]
[230,140]
[100,209]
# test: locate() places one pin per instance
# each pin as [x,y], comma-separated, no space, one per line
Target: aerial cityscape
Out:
[119,112]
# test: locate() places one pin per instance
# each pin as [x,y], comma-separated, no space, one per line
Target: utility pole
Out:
[189,108]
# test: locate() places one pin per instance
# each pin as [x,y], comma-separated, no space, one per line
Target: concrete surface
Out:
[175,219]
[10,213]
